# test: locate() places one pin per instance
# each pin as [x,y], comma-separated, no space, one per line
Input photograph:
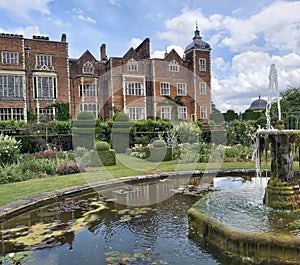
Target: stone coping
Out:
[26,204]
[255,247]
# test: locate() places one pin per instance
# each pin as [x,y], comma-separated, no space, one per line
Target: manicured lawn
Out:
[126,166]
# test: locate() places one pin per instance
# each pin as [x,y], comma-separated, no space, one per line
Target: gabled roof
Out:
[172,55]
[141,52]
[87,56]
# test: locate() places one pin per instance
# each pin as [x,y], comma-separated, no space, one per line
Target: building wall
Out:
[113,84]
[57,72]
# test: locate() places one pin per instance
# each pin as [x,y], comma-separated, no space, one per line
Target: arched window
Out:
[174,66]
[132,65]
[88,68]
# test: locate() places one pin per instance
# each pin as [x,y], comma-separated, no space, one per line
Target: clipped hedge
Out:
[36,143]
[85,115]
[84,133]
[159,143]
[159,154]
[101,145]
[101,158]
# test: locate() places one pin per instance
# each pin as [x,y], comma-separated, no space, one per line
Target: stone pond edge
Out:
[20,206]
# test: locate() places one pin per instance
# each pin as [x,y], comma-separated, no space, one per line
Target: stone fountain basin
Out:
[236,220]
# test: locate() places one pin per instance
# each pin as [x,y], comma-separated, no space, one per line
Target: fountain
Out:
[257,225]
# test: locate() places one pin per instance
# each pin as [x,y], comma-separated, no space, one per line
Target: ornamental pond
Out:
[100,228]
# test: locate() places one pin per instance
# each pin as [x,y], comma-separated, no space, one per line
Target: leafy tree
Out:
[249,114]
[230,115]
[290,107]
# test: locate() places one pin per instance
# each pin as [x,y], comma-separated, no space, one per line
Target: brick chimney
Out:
[63,37]
[103,52]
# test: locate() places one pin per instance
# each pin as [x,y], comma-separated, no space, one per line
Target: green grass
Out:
[126,166]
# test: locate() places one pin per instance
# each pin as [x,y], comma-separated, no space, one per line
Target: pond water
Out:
[97,229]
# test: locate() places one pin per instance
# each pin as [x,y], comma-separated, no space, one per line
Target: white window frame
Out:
[43,60]
[136,113]
[11,86]
[88,68]
[134,89]
[181,89]
[203,112]
[202,88]
[7,114]
[46,112]
[165,112]
[9,57]
[202,65]
[45,92]
[90,107]
[174,66]
[132,65]
[87,90]
[182,113]
[165,88]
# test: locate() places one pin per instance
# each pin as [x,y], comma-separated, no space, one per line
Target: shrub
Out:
[121,117]
[85,115]
[159,143]
[9,149]
[101,145]
[187,132]
[103,158]
[159,151]
[69,167]
[231,151]
[159,154]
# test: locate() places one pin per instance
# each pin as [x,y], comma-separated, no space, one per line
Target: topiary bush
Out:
[102,158]
[159,151]
[121,132]
[159,143]
[84,130]
[85,115]
[121,117]
[101,145]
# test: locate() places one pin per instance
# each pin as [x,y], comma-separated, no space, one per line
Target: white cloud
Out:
[59,23]
[241,76]
[21,8]
[161,54]
[220,64]
[114,3]
[86,19]
[278,24]
[27,32]
[250,77]
[79,14]
[134,43]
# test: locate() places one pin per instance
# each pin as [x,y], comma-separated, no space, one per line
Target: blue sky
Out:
[246,36]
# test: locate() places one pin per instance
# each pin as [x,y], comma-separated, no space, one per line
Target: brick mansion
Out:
[36,73]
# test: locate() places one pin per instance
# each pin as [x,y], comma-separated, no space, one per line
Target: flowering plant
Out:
[9,149]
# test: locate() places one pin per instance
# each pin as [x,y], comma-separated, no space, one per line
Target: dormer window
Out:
[88,68]
[173,66]
[132,65]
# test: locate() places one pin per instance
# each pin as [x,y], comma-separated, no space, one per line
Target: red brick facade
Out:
[33,75]
[170,88]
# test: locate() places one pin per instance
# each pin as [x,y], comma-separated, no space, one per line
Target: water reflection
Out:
[103,229]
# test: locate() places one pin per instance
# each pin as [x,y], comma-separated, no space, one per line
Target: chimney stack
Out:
[63,37]
[103,52]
